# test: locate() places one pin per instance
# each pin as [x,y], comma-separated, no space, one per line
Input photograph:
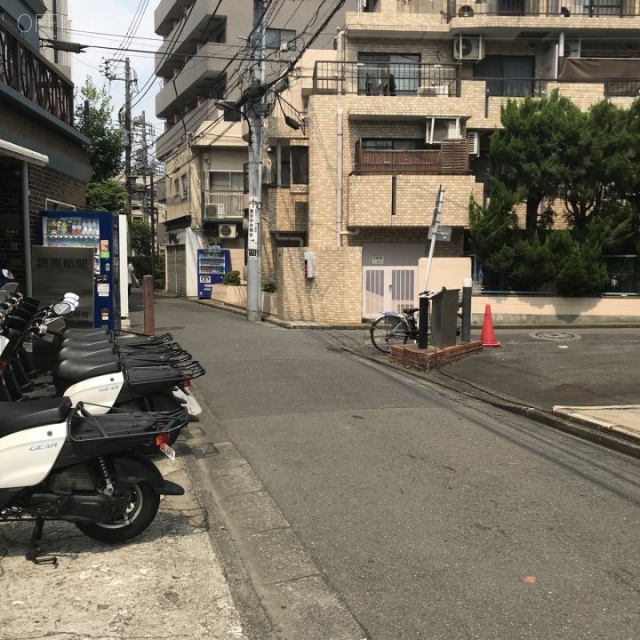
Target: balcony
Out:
[386,79]
[167,13]
[223,205]
[194,81]
[451,158]
[194,29]
[26,71]
[563,8]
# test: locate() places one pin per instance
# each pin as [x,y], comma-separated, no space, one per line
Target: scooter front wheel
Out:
[140,512]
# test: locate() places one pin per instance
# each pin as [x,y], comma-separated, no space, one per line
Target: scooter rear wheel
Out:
[140,513]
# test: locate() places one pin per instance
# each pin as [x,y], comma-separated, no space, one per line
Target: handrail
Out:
[25,70]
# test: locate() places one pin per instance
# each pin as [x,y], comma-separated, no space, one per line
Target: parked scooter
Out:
[138,377]
[62,463]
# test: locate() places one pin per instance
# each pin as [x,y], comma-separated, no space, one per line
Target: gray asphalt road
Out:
[429,516]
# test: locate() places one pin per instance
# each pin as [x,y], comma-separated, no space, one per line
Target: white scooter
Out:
[61,463]
[106,384]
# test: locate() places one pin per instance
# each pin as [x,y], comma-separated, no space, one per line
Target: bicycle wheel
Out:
[388,330]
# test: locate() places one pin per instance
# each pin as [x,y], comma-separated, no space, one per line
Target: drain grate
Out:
[555,335]
[173,328]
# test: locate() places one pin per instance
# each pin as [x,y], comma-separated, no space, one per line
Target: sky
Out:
[107,25]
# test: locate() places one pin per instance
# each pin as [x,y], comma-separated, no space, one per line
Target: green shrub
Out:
[232,278]
[269,286]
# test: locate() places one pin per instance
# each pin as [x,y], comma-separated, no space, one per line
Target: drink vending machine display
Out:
[99,231]
[213,263]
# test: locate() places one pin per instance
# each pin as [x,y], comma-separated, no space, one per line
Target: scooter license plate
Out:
[168,451]
[192,405]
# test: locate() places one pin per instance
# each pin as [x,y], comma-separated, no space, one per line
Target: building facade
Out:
[399,103]
[203,63]
[407,106]
[43,159]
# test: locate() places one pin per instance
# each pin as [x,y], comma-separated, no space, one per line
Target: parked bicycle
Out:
[398,327]
[392,327]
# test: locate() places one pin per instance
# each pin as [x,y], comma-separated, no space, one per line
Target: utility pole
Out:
[257,108]
[127,130]
[125,119]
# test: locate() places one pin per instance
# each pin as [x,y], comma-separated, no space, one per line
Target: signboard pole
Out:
[435,223]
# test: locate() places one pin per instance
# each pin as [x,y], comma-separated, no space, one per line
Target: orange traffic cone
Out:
[487,336]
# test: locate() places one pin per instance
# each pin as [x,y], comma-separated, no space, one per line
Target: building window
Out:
[507,75]
[281,39]
[300,165]
[184,180]
[392,144]
[226,181]
[176,187]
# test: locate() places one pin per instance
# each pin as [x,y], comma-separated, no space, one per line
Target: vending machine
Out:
[95,230]
[213,263]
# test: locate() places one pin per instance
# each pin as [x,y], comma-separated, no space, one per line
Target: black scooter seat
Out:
[85,368]
[77,352]
[18,416]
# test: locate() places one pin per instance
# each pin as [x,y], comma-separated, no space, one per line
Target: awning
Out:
[22,153]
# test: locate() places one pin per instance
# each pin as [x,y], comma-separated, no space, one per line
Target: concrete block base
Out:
[411,357]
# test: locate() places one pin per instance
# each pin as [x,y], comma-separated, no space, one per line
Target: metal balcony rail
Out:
[220,205]
[451,158]
[386,78]
[566,8]
[26,71]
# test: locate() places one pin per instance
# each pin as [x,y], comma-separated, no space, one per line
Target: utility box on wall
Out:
[309,268]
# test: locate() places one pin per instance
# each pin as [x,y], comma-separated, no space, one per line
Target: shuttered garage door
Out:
[177,270]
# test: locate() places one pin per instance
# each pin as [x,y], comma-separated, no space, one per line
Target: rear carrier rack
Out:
[147,379]
[143,358]
[120,423]
[142,340]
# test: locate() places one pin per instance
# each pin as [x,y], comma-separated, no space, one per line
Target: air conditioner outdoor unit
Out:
[473,138]
[572,48]
[468,47]
[228,231]
[214,210]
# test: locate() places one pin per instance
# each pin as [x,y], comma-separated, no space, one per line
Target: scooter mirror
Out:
[10,287]
[62,308]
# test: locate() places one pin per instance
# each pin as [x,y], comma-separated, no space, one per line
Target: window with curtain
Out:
[226,181]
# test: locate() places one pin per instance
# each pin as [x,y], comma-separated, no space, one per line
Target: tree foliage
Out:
[551,154]
[108,195]
[140,236]
[94,120]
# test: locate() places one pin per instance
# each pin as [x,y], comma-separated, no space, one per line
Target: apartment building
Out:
[405,105]
[399,101]
[203,62]
[43,159]
[55,25]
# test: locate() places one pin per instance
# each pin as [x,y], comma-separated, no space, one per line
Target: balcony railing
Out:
[451,158]
[520,87]
[566,8]
[26,71]
[386,79]
[219,205]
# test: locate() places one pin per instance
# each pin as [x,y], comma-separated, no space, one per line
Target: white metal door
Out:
[176,270]
[388,289]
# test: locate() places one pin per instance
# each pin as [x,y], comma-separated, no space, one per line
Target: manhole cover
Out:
[554,335]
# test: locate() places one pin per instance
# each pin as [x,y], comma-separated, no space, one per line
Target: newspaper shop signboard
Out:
[57,270]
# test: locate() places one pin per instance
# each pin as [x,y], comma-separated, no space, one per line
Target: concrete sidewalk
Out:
[166,583]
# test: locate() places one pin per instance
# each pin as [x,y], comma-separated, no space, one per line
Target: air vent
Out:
[228,231]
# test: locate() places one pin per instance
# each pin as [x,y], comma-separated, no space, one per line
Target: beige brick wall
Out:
[333,295]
